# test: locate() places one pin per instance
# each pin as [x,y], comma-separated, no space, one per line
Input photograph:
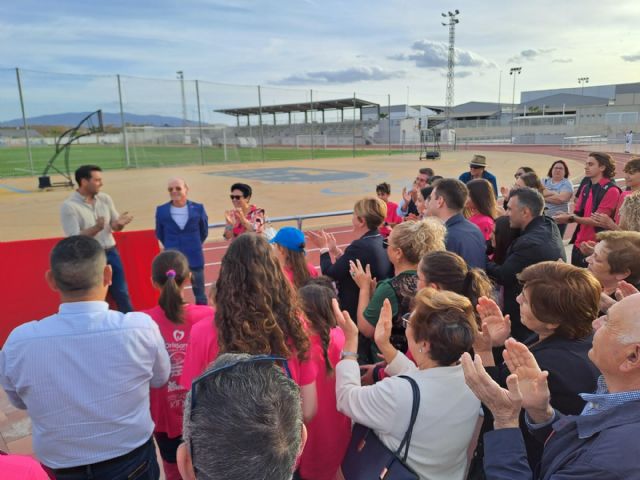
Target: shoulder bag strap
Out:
[414,414]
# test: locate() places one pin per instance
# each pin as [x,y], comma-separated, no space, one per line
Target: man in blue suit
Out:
[183,225]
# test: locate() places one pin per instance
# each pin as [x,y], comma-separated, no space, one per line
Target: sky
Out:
[374,48]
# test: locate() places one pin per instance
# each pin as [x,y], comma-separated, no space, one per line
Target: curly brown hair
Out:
[255,303]
[605,160]
[315,301]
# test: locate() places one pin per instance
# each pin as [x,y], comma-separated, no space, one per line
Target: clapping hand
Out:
[99,226]
[532,381]
[586,248]
[361,276]
[497,326]
[348,327]
[604,221]
[624,290]
[505,404]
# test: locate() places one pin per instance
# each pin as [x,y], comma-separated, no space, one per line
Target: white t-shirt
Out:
[180,215]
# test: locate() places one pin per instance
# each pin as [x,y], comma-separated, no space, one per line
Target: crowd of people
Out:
[453,329]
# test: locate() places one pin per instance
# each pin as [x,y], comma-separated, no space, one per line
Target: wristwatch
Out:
[345,354]
[572,218]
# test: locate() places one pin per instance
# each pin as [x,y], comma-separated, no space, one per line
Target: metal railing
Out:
[297,218]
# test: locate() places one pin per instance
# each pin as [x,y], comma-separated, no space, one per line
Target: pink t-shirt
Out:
[392,218]
[330,431]
[623,195]
[167,402]
[255,216]
[484,223]
[606,206]
[289,273]
[21,467]
[203,349]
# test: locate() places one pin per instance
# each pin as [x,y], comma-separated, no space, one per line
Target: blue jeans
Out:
[139,464]
[197,283]
[118,289]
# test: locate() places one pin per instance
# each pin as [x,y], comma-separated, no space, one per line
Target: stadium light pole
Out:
[453,21]
[582,81]
[515,71]
[180,74]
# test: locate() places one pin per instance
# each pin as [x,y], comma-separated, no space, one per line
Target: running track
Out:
[213,251]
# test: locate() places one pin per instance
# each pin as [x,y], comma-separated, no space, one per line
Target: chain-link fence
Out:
[153,122]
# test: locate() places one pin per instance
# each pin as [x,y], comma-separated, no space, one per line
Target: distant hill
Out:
[71,119]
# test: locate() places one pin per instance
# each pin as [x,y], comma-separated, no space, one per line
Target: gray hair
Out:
[529,198]
[247,422]
[77,264]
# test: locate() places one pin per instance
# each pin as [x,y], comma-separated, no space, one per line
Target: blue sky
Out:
[374,48]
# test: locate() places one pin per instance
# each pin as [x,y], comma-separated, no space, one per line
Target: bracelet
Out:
[324,250]
[346,354]
[228,227]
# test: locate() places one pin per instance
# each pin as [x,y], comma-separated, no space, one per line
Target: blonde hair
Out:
[630,212]
[372,210]
[417,238]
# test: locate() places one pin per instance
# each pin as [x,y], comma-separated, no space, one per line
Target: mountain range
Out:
[71,119]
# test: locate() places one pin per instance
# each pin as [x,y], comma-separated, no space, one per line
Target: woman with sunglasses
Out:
[244,217]
[255,313]
[170,274]
[441,327]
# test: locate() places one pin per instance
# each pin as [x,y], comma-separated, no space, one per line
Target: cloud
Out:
[428,54]
[631,58]
[347,75]
[562,60]
[530,54]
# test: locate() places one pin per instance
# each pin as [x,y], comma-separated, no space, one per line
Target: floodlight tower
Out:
[180,75]
[453,20]
[582,81]
[515,71]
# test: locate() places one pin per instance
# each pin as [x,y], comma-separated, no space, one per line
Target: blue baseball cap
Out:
[291,238]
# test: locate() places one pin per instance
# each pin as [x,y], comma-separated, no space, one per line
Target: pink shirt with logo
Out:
[330,431]
[203,349]
[167,402]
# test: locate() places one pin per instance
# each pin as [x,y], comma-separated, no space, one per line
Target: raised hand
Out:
[382,333]
[625,289]
[497,326]
[504,404]
[361,276]
[406,195]
[318,239]
[587,247]
[532,380]
[99,226]
[604,221]
[348,327]
[124,219]
[230,217]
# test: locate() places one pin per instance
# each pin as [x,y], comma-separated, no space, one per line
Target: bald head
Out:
[627,315]
[178,190]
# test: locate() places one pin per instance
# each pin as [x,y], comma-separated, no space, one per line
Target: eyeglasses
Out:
[405,320]
[235,197]
[517,176]
[177,189]
[228,366]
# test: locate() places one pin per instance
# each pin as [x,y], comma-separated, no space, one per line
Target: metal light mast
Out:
[453,20]
[180,75]
[515,71]
[582,81]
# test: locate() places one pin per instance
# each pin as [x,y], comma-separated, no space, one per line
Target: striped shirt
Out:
[83,375]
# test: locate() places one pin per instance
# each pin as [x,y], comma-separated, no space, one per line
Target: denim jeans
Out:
[118,289]
[197,283]
[140,464]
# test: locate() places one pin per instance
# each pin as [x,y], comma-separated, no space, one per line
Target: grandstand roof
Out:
[566,99]
[300,107]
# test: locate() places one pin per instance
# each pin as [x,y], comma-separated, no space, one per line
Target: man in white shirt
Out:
[90,212]
[183,225]
[84,373]
[628,140]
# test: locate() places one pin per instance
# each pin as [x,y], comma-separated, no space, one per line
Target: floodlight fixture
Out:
[515,71]
[444,15]
[180,75]
[457,11]
[582,81]
[453,21]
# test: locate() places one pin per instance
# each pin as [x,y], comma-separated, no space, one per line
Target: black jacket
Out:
[370,251]
[538,242]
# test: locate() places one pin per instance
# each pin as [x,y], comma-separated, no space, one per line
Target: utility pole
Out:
[453,20]
[582,81]
[180,74]
[515,71]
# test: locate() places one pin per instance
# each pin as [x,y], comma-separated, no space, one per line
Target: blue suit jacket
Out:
[466,178]
[466,239]
[189,240]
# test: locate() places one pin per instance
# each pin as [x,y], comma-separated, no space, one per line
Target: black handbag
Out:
[368,459]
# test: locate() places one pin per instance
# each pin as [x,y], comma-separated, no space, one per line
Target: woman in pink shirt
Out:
[170,273]
[481,206]
[330,431]
[289,247]
[256,313]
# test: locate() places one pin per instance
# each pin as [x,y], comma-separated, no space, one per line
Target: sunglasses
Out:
[235,197]
[405,320]
[177,189]
[229,366]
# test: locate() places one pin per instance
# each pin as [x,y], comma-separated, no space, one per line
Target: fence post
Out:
[260,120]
[24,123]
[354,125]
[389,118]
[200,124]
[124,126]
[311,114]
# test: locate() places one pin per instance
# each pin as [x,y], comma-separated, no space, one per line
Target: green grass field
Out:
[14,162]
